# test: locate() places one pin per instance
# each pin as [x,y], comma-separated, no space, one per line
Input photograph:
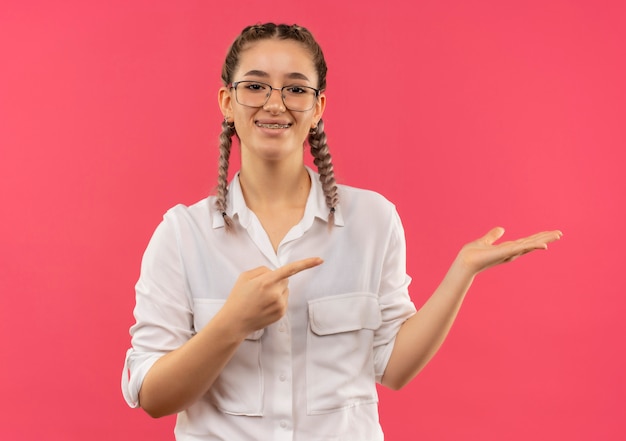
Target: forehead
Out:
[278,58]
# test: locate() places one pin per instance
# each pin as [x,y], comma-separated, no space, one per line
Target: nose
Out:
[274,104]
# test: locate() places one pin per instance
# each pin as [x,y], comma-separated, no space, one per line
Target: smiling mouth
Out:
[273,125]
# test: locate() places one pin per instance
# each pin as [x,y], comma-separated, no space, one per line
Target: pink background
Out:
[466,114]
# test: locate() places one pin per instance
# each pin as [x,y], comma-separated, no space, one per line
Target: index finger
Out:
[293,268]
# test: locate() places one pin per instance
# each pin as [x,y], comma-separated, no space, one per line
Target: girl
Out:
[270,311]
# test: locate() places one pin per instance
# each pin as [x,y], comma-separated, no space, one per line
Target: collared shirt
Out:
[310,376]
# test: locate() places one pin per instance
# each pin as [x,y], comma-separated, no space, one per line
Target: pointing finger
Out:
[294,268]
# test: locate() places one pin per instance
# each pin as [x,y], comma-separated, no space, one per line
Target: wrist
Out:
[463,269]
[228,327]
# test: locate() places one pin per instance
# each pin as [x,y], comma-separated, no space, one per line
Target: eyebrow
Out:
[292,75]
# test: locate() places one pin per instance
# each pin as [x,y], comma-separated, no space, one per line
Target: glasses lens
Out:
[252,94]
[255,94]
[299,98]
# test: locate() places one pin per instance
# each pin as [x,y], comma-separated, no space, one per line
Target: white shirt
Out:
[311,375]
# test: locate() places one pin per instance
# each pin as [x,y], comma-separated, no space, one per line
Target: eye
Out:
[296,90]
[255,87]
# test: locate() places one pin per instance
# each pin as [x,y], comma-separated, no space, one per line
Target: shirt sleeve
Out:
[395,304]
[163,313]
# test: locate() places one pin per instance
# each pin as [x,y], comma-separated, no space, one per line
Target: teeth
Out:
[273,126]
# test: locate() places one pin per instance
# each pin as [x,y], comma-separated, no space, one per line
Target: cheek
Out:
[243,116]
[303,130]
[306,120]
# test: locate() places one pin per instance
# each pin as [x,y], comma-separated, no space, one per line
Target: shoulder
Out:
[363,198]
[359,203]
[198,214]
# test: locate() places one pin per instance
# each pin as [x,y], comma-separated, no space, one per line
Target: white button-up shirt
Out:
[311,375]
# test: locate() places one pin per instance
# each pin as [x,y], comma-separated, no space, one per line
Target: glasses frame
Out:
[234,85]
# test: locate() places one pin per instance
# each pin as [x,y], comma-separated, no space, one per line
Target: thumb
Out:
[493,235]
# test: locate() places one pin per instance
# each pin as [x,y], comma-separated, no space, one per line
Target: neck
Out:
[274,185]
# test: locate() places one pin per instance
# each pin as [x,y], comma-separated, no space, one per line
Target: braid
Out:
[226,141]
[324,163]
[317,137]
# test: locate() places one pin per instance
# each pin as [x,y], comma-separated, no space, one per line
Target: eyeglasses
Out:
[256,94]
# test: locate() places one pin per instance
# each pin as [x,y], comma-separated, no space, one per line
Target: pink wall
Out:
[465,114]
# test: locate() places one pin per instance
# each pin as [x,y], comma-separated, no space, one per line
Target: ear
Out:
[320,105]
[224,99]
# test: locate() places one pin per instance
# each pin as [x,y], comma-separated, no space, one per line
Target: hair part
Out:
[268,31]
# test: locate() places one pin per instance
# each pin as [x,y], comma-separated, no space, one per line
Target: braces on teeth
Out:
[273,126]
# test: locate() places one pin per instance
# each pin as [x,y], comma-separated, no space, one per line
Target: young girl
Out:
[270,311]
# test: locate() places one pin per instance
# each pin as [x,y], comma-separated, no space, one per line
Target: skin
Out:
[275,185]
[422,335]
[274,181]
[181,377]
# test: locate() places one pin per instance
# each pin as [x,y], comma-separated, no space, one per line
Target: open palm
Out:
[483,253]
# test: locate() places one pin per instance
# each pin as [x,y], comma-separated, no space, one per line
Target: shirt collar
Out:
[315,205]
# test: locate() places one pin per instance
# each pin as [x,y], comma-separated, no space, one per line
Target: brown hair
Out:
[317,136]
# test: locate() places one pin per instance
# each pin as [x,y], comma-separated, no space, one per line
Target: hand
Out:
[481,254]
[259,297]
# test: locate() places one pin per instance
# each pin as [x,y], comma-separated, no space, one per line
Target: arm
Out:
[182,376]
[421,336]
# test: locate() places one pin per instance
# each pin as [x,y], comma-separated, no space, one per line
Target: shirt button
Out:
[282,327]
[283,424]
[282,377]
